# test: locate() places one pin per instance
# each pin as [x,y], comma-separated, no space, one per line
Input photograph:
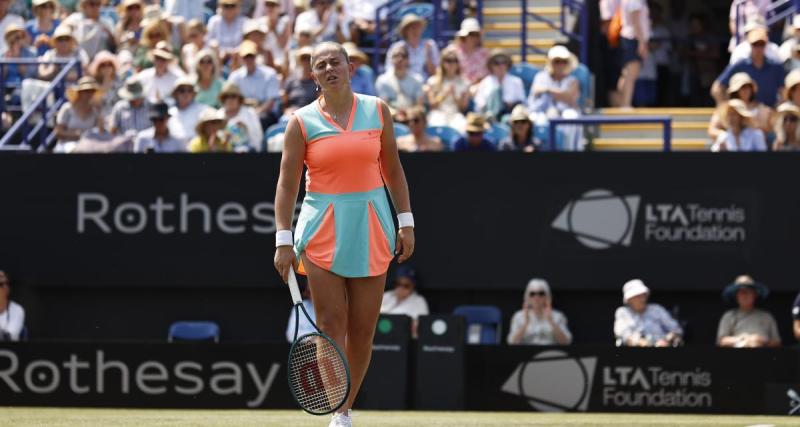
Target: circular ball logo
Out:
[553,381]
[385,326]
[600,219]
[439,327]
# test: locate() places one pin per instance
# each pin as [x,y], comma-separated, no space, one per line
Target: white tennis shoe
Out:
[342,419]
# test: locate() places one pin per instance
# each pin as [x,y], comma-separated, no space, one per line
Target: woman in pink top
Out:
[471,54]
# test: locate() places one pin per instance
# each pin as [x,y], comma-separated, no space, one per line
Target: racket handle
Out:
[293,288]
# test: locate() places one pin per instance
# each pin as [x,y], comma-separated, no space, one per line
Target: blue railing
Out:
[777,11]
[665,121]
[575,7]
[21,127]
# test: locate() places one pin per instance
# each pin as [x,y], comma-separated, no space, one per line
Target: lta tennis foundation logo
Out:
[600,219]
[553,381]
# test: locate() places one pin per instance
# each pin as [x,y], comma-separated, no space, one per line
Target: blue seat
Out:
[185,330]
[276,129]
[484,323]
[448,135]
[584,77]
[498,132]
[526,72]
[401,130]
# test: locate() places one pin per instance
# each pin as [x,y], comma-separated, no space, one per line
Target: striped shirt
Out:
[124,117]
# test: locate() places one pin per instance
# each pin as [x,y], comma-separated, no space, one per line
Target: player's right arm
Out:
[294,151]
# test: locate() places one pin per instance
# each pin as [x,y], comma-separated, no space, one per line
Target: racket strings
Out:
[317,374]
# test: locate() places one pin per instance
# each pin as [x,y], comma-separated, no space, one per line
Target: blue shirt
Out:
[262,85]
[34,32]
[769,78]
[463,145]
[362,81]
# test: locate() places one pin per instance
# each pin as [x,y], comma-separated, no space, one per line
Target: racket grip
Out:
[293,288]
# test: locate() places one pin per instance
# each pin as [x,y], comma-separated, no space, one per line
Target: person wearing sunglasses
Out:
[537,323]
[403,298]
[157,139]
[186,112]
[12,315]
[6,20]
[787,133]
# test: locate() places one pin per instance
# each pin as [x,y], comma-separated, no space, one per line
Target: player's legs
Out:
[330,301]
[365,296]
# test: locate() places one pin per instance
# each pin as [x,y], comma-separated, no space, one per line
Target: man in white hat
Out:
[159,80]
[742,51]
[639,324]
[186,111]
[6,20]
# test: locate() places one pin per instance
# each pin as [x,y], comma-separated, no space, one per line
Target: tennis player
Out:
[345,236]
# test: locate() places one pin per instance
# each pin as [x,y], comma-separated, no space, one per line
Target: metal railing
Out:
[576,7]
[665,121]
[21,126]
[777,11]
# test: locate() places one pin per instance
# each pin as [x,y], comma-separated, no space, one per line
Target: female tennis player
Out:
[345,236]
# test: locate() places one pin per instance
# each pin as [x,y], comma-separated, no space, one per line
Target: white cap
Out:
[558,52]
[633,288]
[469,25]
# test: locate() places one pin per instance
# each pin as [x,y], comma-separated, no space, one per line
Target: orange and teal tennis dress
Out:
[345,225]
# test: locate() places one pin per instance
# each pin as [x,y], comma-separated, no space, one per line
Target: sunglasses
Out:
[400,55]
[403,285]
[450,60]
[229,6]
[536,294]
[184,90]
[155,35]
[415,120]
[470,133]
[158,119]
[207,61]
[759,44]
[790,119]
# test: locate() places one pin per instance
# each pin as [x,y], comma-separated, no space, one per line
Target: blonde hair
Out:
[206,53]
[439,77]
[195,25]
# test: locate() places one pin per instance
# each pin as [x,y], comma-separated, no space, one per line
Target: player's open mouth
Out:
[331,78]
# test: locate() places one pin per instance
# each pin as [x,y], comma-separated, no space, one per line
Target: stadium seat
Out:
[193,331]
[401,130]
[498,132]
[448,135]
[271,132]
[526,72]
[484,323]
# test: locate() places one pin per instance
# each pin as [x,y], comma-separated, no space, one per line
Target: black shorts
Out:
[629,51]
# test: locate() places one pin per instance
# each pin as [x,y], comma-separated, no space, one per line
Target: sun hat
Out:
[253,26]
[561,52]
[159,110]
[62,31]
[132,89]
[162,50]
[409,20]
[758,34]
[304,51]
[633,288]
[741,108]
[37,3]
[744,282]
[85,84]
[208,116]
[740,80]
[519,113]
[354,52]
[787,108]
[792,79]
[101,58]
[469,25]
[11,29]
[230,89]
[248,48]
[186,80]
[475,123]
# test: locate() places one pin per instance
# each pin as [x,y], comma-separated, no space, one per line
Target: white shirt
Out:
[158,88]
[304,327]
[271,40]
[416,56]
[773,52]
[248,117]
[608,8]
[628,8]
[362,9]
[413,306]
[539,331]
[750,139]
[7,21]
[786,51]
[188,9]
[181,123]
[229,36]
[12,320]
[513,90]
[145,140]
[310,19]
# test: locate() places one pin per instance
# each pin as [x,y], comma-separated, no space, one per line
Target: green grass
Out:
[19,417]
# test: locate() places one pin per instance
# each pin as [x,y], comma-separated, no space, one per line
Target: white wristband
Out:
[405,219]
[284,238]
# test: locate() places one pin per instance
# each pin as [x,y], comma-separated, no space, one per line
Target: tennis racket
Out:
[319,377]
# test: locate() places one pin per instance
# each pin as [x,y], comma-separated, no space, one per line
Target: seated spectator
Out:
[404,298]
[8,19]
[304,326]
[326,23]
[475,140]
[104,68]
[744,88]
[538,323]
[278,34]
[743,50]
[747,325]
[796,317]
[93,34]
[448,93]
[206,72]
[12,315]
[225,28]
[159,80]
[210,137]
[360,16]
[240,115]
[195,43]
[521,138]
[788,50]
[302,37]
[500,91]
[186,111]
[258,83]
[130,114]
[472,56]
[397,86]
[299,88]
[129,26]
[423,54]
[418,139]
[64,46]
[742,13]
[154,31]
[157,139]
[363,78]
[188,9]
[17,41]
[639,324]
[791,85]
[768,75]
[79,115]
[555,93]
[787,133]
[741,133]
[41,28]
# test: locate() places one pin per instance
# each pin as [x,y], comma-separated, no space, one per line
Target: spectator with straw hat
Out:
[6,20]
[210,137]
[363,78]
[258,83]
[500,91]
[237,113]
[791,91]
[742,87]
[17,41]
[225,28]
[741,133]
[79,115]
[186,111]
[43,25]
[159,80]
[471,54]
[131,15]
[475,139]
[64,46]
[747,325]
[423,54]
[521,137]
[787,132]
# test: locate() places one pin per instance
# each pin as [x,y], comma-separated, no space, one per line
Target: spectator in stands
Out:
[255,32]
[6,20]
[157,139]
[404,299]
[500,91]
[93,34]
[240,115]
[363,78]
[41,28]
[130,21]
[206,73]
[641,324]
[360,15]
[744,88]
[159,80]
[302,37]
[538,323]
[154,31]
[104,68]
[472,56]
[787,132]
[475,140]
[278,33]
[634,48]
[210,137]
[747,325]
[744,49]
[64,46]
[299,88]
[304,326]
[423,54]
[17,41]
[521,138]
[188,9]
[397,86]
[186,111]
[448,93]
[741,134]
[768,75]
[788,50]
[225,28]
[418,139]
[742,13]
[555,92]
[195,43]
[326,23]
[130,114]
[79,115]
[258,83]
[792,87]
[796,317]
[12,315]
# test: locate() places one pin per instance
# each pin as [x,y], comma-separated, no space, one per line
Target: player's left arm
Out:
[395,179]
